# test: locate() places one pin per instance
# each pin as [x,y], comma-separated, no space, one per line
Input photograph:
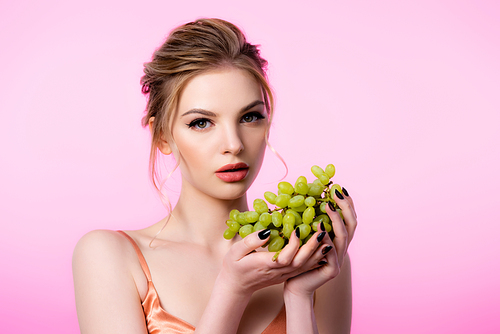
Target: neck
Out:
[200,218]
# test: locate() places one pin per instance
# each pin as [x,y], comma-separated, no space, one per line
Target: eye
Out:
[252,117]
[200,124]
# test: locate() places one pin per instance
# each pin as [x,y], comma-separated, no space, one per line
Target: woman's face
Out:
[219,131]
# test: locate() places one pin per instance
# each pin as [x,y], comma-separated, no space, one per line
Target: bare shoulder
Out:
[333,305]
[99,242]
[107,299]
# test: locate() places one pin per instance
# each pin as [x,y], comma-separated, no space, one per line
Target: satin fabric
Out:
[160,321]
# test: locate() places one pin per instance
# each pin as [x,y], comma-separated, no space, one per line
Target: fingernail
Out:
[264,234]
[326,249]
[321,236]
[322,262]
[331,206]
[297,232]
[322,226]
[339,195]
[345,191]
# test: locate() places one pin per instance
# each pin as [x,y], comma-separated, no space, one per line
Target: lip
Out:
[232,172]
[228,167]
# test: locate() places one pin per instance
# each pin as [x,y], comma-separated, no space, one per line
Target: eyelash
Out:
[256,116]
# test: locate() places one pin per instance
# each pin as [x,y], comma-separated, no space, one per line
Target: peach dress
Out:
[160,321]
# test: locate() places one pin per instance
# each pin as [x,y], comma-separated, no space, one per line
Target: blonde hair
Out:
[191,49]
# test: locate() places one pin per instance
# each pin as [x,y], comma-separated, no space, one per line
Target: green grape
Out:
[300,179]
[296,201]
[289,218]
[274,234]
[282,200]
[318,182]
[324,179]
[285,188]
[323,218]
[240,218]
[265,219]
[276,244]
[317,171]
[301,188]
[327,226]
[298,216]
[301,208]
[258,226]
[251,216]
[322,207]
[245,230]
[277,218]
[330,170]
[233,226]
[308,215]
[229,234]
[314,225]
[335,187]
[233,214]
[315,190]
[260,206]
[310,201]
[288,229]
[270,197]
[304,230]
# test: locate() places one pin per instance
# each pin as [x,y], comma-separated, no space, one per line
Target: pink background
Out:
[402,96]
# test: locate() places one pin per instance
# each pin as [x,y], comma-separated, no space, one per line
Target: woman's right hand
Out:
[245,271]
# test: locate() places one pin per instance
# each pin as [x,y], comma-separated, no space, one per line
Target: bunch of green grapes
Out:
[302,206]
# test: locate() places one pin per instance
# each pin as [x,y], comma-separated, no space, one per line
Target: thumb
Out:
[250,243]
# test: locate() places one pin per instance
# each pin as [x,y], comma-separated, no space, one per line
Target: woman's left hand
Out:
[330,253]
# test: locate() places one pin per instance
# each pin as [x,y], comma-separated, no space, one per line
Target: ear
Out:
[163,145]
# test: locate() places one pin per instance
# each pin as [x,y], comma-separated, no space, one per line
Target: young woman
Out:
[210,106]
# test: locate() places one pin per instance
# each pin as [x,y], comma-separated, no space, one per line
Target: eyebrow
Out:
[212,114]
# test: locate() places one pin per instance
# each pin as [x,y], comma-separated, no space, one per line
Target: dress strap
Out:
[142,260]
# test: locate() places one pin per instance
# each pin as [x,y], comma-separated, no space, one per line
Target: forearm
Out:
[300,314]
[224,309]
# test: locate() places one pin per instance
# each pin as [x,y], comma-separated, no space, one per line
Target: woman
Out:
[209,104]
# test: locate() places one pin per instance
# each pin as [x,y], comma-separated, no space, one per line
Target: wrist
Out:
[227,285]
[297,296]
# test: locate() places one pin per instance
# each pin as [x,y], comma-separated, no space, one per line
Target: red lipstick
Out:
[232,172]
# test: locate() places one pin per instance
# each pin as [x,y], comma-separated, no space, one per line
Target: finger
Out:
[250,243]
[315,260]
[288,252]
[350,219]
[340,234]
[349,199]
[307,250]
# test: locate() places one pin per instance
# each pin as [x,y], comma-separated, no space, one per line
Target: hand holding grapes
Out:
[315,216]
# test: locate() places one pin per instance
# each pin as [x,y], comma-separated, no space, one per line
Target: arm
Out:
[106,295]
[333,286]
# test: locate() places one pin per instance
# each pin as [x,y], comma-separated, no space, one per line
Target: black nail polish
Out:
[297,232]
[339,195]
[322,226]
[345,191]
[264,234]
[321,236]
[331,206]
[326,249]
[322,262]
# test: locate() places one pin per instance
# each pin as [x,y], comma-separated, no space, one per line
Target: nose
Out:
[231,141]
